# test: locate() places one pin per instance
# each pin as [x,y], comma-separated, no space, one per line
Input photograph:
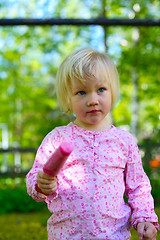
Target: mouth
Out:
[94,111]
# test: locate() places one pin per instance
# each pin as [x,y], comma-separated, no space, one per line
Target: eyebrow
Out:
[104,83]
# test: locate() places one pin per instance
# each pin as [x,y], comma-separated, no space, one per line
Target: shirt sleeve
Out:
[138,189]
[46,149]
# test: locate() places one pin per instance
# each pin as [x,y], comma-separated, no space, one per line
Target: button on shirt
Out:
[89,201]
[96,144]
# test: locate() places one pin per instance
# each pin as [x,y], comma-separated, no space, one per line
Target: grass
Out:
[32,226]
[23,226]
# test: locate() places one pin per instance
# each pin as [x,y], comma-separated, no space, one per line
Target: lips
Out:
[94,111]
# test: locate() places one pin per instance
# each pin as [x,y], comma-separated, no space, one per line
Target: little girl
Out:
[86,198]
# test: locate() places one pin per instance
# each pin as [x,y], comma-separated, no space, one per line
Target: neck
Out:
[105,126]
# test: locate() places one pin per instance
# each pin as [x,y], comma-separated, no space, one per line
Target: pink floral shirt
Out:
[89,201]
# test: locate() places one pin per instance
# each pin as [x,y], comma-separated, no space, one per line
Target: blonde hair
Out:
[81,65]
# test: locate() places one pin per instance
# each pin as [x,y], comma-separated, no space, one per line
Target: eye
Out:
[80,93]
[100,90]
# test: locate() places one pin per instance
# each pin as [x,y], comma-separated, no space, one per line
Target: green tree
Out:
[30,56]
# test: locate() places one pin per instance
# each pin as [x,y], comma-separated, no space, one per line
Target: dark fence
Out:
[14,169]
[149,153]
[80,22]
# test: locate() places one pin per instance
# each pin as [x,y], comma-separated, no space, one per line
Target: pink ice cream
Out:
[58,158]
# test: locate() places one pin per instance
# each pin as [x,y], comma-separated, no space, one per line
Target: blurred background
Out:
[29,58]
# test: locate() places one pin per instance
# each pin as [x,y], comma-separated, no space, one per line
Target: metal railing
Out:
[80,22]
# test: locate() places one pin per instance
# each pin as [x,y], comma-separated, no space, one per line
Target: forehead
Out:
[78,84]
[95,72]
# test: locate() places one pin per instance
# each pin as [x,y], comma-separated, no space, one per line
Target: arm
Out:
[138,189]
[44,152]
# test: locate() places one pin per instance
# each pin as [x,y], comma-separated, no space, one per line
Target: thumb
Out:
[140,230]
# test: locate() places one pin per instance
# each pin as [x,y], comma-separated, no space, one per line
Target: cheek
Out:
[74,105]
[109,98]
[78,108]
[107,102]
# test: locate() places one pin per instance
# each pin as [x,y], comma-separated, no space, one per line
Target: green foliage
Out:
[138,70]
[14,197]
[155,190]
[30,56]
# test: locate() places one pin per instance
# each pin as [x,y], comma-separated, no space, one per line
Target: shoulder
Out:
[124,135]
[57,131]
[60,132]
[129,142]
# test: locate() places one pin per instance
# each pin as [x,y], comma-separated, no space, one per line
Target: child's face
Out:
[91,102]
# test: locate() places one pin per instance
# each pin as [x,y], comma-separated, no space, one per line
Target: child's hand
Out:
[146,231]
[46,183]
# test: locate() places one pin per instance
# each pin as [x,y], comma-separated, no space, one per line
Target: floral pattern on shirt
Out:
[88,203]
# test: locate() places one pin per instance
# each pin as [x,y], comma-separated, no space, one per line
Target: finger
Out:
[155,237]
[48,189]
[140,230]
[150,233]
[47,185]
[44,181]
[47,192]
[41,174]
[45,176]
[49,177]
[52,186]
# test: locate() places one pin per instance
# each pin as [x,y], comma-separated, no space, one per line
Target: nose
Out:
[92,100]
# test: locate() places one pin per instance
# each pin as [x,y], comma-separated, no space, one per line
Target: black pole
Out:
[80,22]
[20,150]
